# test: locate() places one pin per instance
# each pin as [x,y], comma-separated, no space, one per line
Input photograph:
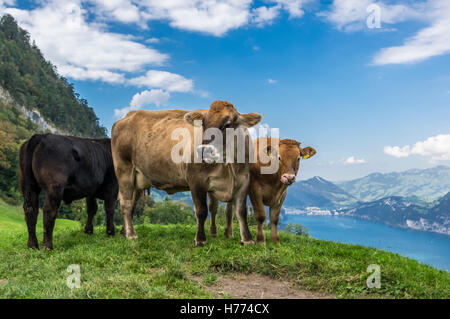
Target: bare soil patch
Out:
[255,286]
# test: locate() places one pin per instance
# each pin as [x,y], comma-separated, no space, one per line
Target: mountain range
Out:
[427,184]
[318,192]
[402,212]
[416,198]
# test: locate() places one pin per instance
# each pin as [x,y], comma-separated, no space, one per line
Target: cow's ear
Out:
[307,152]
[193,117]
[250,119]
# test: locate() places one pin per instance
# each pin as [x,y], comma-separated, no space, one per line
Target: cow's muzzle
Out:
[288,179]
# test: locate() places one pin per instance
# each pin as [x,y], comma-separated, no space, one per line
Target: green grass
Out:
[163,261]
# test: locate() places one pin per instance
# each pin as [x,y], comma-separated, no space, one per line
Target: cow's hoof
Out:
[132,236]
[260,240]
[33,246]
[228,235]
[275,241]
[111,232]
[247,242]
[89,231]
[200,243]
[213,232]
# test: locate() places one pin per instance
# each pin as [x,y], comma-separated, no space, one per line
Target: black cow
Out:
[67,168]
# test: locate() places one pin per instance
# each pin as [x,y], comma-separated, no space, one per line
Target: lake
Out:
[429,248]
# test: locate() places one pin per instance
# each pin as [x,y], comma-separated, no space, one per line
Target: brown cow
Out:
[268,189]
[142,147]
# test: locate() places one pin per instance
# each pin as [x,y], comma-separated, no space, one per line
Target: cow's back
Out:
[143,139]
[80,166]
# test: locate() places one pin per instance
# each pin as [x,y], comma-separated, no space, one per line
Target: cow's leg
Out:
[109,205]
[213,206]
[125,178]
[51,206]
[201,212]
[274,217]
[31,209]
[260,215]
[229,220]
[127,207]
[127,203]
[91,207]
[240,205]
[137,195]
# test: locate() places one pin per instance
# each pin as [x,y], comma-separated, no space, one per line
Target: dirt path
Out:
[259,287]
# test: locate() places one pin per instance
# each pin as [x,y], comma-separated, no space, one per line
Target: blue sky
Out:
[368,99]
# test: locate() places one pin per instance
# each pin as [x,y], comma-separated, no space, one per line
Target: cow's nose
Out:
[288,179]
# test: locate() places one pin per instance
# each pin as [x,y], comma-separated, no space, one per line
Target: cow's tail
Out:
[27,179]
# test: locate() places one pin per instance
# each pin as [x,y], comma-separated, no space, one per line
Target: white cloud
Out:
[353,161]
[265,15]
[428,42]
[214,17]
[155,96]
[83,50]
[162,79]
[294,7]
[152,40]
[145,98]
[272,81]
[351,15]
[120,10]
[397,151]
[436,148]
[433,40]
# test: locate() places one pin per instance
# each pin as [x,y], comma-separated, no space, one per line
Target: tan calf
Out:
[268,189]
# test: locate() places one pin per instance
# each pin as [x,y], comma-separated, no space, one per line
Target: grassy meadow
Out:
[163,263]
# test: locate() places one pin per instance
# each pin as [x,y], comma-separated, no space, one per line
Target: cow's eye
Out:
[279,158]
[228,125]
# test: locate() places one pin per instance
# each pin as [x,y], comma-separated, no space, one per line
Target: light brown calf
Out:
[267,189]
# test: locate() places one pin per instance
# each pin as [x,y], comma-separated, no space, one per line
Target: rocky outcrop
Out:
[33,115]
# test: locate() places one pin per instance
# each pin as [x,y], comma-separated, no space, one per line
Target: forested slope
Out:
[29,82]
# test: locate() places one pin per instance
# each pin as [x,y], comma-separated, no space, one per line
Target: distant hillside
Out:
[158,195]
[428,184]
[34,84]
[401,212]
[318,192]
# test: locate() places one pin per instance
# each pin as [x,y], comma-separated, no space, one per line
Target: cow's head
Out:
[222,116]
[289,155]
